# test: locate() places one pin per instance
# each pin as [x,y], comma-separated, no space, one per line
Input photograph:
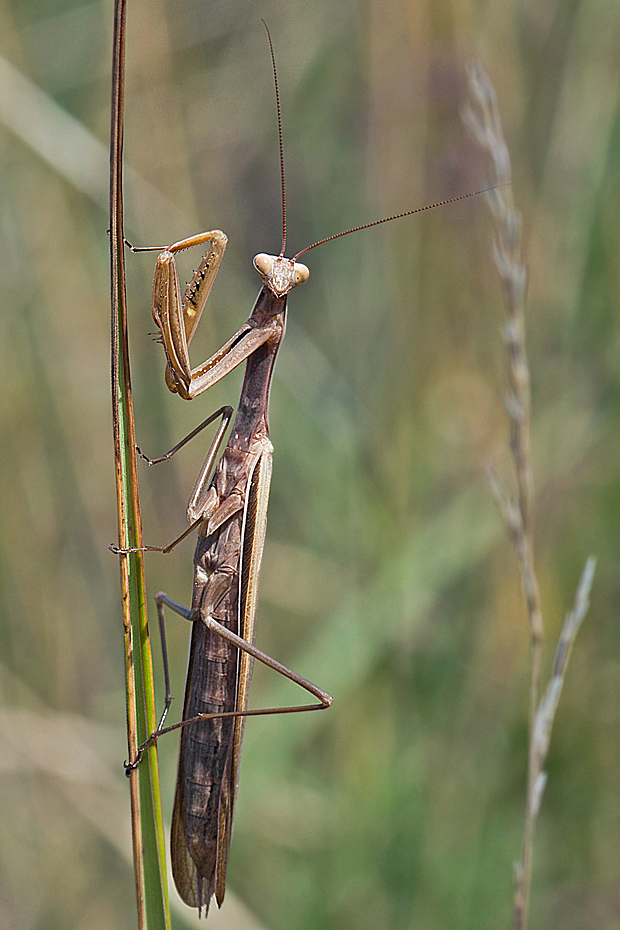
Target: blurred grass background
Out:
[387,577]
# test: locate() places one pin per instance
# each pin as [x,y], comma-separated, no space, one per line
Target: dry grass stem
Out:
[482,119]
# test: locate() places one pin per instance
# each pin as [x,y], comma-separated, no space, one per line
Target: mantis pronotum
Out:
[229,509]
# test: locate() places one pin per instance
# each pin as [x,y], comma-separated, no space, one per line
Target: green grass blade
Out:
[146,814]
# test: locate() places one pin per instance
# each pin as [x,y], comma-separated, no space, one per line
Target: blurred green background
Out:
[387,576]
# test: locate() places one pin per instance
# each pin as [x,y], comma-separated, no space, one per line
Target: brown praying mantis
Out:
[228,507]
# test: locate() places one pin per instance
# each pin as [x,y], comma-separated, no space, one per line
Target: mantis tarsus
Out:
[229,509]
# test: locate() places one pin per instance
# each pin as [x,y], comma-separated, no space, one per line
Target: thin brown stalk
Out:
[482,118]
[146,816]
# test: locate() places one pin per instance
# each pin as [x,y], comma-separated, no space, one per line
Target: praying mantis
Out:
[228,507]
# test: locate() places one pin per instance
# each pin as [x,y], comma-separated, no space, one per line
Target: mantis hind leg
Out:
[323,698]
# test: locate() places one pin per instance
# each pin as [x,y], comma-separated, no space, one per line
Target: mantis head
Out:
[280,274]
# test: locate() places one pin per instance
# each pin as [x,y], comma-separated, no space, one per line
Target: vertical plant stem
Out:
[483,120]
[485,124]
[146,814]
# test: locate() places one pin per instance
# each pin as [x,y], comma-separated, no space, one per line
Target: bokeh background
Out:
[387,575]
